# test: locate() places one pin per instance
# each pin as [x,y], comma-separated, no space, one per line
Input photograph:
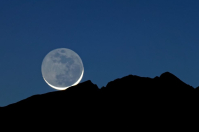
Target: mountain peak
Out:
[167,75]
[170,77]
[82,87]
[173,84]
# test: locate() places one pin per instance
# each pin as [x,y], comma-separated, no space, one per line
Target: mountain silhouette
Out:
[120,102]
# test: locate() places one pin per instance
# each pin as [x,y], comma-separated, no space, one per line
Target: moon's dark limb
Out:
[62,68]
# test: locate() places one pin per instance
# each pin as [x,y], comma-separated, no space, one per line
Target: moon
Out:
[62,68]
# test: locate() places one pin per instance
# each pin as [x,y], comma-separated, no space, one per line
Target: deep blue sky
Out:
[114,38]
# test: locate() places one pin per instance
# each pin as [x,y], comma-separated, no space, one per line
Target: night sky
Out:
[114,38]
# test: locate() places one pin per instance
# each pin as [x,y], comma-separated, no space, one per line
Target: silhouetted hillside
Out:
[131,98]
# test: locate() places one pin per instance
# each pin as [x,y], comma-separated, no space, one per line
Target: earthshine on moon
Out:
[62,68]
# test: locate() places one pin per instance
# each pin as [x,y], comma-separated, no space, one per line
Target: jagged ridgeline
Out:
[130,97]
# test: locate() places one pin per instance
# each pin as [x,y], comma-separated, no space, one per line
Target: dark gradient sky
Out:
[114,38]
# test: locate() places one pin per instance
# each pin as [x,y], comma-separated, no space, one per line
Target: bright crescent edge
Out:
[64,88]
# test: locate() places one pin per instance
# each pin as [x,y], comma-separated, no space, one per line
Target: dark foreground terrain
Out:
[131,102]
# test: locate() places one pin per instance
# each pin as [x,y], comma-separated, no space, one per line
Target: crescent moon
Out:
[64,88]
[62,68]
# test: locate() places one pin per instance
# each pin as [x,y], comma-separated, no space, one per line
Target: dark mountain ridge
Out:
[130,97]
[131,86]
